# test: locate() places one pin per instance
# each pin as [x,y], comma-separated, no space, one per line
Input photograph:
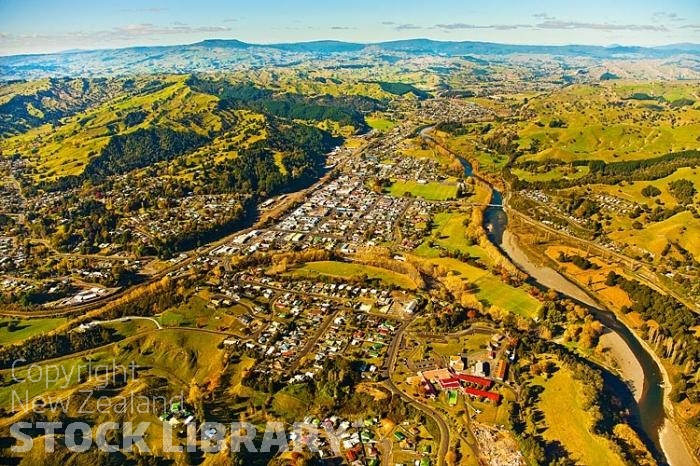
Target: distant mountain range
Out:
[216,54]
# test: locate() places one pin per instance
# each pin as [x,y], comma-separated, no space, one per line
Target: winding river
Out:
[651,412]
[648,410]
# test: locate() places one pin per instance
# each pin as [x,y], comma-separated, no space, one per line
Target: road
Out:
[312,341]
[392,354]
[127,319]
[274,212]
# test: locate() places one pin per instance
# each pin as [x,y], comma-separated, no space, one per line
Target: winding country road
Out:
[127,319]
[392,354]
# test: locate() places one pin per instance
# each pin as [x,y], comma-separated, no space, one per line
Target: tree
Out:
[195,393]
[683,190]
[650,191]
[611,279]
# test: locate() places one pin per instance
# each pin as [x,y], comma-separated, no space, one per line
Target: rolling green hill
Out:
[28,104]
[157,119]
[603,122]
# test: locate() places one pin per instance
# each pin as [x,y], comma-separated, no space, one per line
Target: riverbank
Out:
[671,441]
[635,359]
[627,364]
[676,450]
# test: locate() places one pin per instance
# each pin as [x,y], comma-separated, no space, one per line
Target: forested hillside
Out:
[189,140]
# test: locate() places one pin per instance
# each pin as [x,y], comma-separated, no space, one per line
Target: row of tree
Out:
[609,173]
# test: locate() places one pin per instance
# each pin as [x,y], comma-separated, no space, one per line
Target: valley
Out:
[435,261]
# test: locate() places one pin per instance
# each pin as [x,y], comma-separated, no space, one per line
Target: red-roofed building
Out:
[496,397]
[449,384]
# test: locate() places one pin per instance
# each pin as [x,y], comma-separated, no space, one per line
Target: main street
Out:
[276,211]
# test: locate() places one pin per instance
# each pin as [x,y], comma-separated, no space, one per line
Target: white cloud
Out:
[408,27]
[666,16]
[561,24]
[500,27]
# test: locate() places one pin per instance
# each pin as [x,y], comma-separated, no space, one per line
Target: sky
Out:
[41,26]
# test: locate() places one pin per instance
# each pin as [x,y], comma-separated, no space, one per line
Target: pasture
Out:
[562,394]
[355,272]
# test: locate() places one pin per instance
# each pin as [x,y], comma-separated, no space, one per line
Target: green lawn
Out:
[26,328]
[432,191]
[569,423]
[455,345]
[448,232]
[492,291]
[347,270]
[516,300]
[380,124]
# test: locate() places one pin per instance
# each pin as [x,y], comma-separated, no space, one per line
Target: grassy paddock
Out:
[26,328]
[562,395]
[350,271]
[380,124]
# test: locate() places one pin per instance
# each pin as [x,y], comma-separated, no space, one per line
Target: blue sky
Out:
[36,26]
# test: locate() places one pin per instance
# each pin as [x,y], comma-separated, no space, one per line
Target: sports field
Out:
[432,191]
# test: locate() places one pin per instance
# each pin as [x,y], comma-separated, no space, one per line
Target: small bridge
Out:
[471,204]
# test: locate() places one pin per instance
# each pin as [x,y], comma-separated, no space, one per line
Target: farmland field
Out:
[580,123]
[23,329]
[632,191]
[682,227]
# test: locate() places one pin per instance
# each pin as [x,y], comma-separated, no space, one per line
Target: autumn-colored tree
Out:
[195,393]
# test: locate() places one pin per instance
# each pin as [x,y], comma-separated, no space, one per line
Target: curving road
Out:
[392,353]
[126,319]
